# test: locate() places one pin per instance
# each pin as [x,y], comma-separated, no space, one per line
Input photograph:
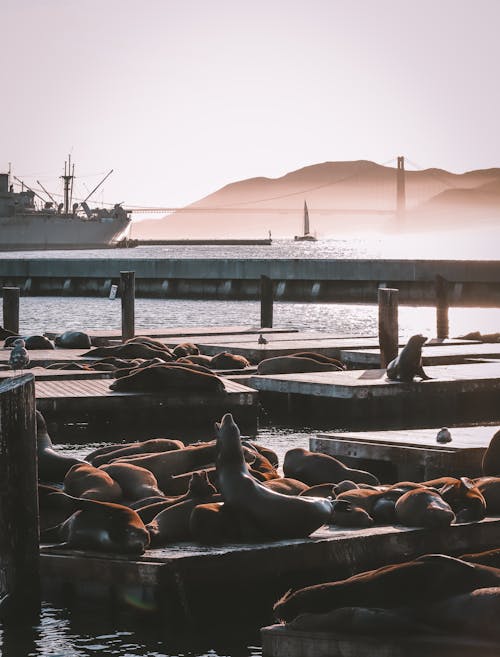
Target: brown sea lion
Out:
[491,458]
[408,364]
[423,507]
[288,486]
[293,365]
[320,358]
[139,363]
[315,468]
[279,516]
[87,482]
[228,361]
[465,499]
[199,359]
[266,452]
[158,378]
[52,466]
[489,487]
[129,350]
[320,490]
[54,506]
[427,578]
[486,558]
[149,342]
[185,349]
[73,340]
[101,526]
[216,522]
[135,482]
[154,445]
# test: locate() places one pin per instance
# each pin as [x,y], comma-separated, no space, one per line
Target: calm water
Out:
[61,632]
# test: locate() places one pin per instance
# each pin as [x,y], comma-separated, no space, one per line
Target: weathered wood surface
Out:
[361,384]
[19,526]
[388,335]
[44,357]
[44,374]
[127,297]
[252,337]
[448,354]
[414,452]
[193,576]
[280,641]
[182,332]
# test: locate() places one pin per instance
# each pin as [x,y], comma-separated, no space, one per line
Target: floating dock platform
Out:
[192,581]
[413,454]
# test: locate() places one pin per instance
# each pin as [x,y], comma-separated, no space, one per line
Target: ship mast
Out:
[68,184]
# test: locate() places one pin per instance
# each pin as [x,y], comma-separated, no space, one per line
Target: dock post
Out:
[11,309]
[442,306]
[127,294]
[266,302]
[388,333]
[19,521]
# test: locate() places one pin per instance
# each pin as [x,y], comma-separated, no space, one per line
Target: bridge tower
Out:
[400,189]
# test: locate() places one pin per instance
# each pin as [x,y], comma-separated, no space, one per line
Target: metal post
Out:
[400,190]
[127,293]
[388,324]
[266,302]
[442,306]
[11,309]
[19,522]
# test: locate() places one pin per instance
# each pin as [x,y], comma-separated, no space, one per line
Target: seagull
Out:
[443,436]
[19,357]
[262,339]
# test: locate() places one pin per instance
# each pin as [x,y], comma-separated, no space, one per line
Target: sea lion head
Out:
[200,485]
[417,340]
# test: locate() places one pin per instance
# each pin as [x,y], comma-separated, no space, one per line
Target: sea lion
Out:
[266,452]
[227,361]
[288,486]
[320,490]
[135,365]
[52,467]
[68,366]
[54,506]
[346,514]
[491,458]
[199,359]
[409,362]
[293,365]
[279,516]
[427,578]
[87,482]
[101,526]
[129,350]
[172,524]
[423,507]
[158,378]
[38,342]
[135,482]
[73,340]
[489,487]
[5,333]
[185,349]
[153,446]
[216,522]
[149,342]
[465,499]
[320,358]
[315,468]
[486,558]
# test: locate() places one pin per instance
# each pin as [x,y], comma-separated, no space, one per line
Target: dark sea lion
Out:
[149,342]
[87,482]
[346,514]
[135,482]
[489,487]
[315,468]
[288,486]
[185,349]
[423,507]
[148,501]
[158,378]
[9,340]
[227,361]
[427,578]
[52,466]
[216,522]
[73,340]
[491,458]
[279,516]
[152,446]
[320,490]
[129,350]
[172,524]
[54,506]
[38,342]
[101,526]
[320,358]
[486,558]
[266,452]
[409,362]
[293,365]
[199,359]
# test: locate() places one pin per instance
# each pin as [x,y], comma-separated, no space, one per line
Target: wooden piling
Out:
[127,294]
[387,324]
[19,522]
[266,302]
[11,309]
[442,305]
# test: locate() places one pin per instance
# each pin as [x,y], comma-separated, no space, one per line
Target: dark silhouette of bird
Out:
[19,357]
[443,436]
[262,339]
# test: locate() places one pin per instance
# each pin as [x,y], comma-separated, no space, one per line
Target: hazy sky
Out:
[181,97]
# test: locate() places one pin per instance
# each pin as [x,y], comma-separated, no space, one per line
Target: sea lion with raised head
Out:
[491,458]
[278,515]
[52,466]
[408,364]
[316,468]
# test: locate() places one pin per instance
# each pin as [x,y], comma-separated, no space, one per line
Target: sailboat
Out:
[306,237]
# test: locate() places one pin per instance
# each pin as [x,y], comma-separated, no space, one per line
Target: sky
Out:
[182,97]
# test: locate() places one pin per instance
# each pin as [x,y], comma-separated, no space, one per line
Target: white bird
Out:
[262,339]
[443,436]
[19,358]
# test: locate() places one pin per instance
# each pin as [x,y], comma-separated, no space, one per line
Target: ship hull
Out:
[41,232]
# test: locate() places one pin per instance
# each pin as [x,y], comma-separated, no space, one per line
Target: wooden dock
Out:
[140,414]
[456,393]
[413,454]
[44,357]
[449,354]
[44,374]
[195,581]
[280,641]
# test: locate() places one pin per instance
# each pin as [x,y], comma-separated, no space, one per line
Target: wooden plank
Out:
[44,357]
[449,354]
[44,374]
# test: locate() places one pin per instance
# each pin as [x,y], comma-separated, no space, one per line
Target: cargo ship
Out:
[26,224]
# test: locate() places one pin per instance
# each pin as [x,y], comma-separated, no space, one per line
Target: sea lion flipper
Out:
[420,372]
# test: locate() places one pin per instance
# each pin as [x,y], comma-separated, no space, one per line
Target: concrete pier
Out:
[469,282]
